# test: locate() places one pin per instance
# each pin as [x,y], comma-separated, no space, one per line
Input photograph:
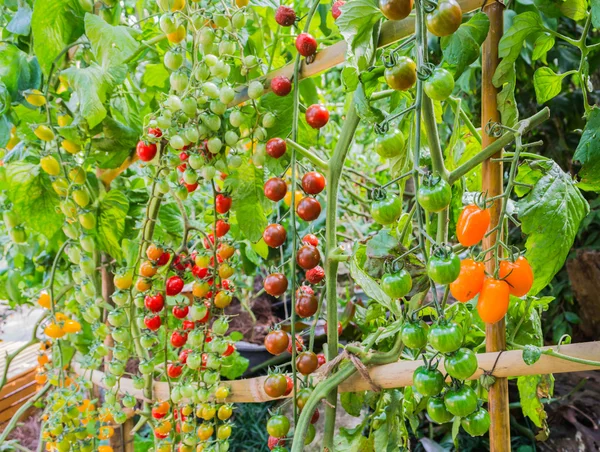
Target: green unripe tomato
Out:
[87,265]
[387,210]
[238,20]
[181,192]
[218,107]
[212,122]
[269,120]
[81,197]
[11,219]
[414,334]
[88,288]
[461,401]
[173,103]
[110,380]
[206,36]
[87,220]
[439,85]
[177,142]
[208,172]
[235,161]
[231,138]
[226,95]
[163,122]
[162,186]
[428,382]
[189,107]
[255,89]
[226,47]
[138,382]
[190,176]
[211,90]
[390,145]
[236,118]
[168,24]
[434,194]
[445,337]
[202,73]
[250,61]
[221,20]
[476,423]
[71,230]
[214,145]
[68,208]
[220,70]
[74,254]
[195,161]
[436,409]
[211,60]
[88,243]
[461,364]
[396,285]
[173,60]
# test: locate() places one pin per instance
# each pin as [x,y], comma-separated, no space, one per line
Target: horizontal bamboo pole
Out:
[395,375]
[391,31]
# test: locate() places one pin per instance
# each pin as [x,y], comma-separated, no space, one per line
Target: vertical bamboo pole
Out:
[492,185]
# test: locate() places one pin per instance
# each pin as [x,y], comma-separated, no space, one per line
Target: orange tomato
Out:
[178,35]
[43,359]
[163,428]
[41,379]
[518,275]
[469,281]
[200,289]
[147,270]
[105,449]
[154,252]
[225,271]
[493,300]
[54,331]
[44,300]
[226,251]
[71,326]
[105,432]
[205,431]
[143,284]
[472,225]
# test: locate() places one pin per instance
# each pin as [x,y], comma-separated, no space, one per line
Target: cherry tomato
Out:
[443,266]
[180,312]
[223,203]
[472,225]
[275,284]
[390,144]
[306,45]
[290,384]
[285,16]
[274,235]
[178,339]
[307,363]
[315,275]
[439,85]
[335,9]
[225,251]
[278,426]
[428,381]
[469,281]
[396,285]
[313,183]
[307,305]
[174,370]
[146,151]
[403,75]
[436,409]
[274,443]
[222,228]
[281,85]
[414,334]
[310,239]
[461,401]
[445,337]
[224,431]
[222,299]
[387,210]
[518,275]
[275,189]
[308,257]
[476,423]
[299,344]
[152,322]
[174,285]
[308,209]
[276,147]
[302,397]
[461,364]
[396,9]
[434,194]
[493,301]
[317,116]
[445,19]
[276,342]
[154,303]
[275,385]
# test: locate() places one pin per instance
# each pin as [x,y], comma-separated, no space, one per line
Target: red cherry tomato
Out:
[178,338]
[145,151]
[275,284]
[222,228]
[276,147]
[315,275]
[154,303]
[317,116]
[180,312]
[274,235]
[335,9]
[223,203]
[174,370]
[313,183]
[152,322]
[174,285]
[281,85]
[306,44]
[308,209]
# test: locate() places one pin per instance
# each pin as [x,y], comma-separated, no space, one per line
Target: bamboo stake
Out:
[492,185]
[398,374]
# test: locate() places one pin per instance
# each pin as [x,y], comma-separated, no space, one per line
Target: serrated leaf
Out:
[350,79]
[55,24]
[550,215]
[547,84]
[356,25]
[34,199]
[111,46]
[368,284]
[246,187]
[588,153]
[353,402]
[531,354]
[111,222]
[461,49]
[573,9]
[92,85]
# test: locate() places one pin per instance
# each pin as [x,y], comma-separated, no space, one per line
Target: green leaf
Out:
[550,215]
[367,283]
[234,366]
[531,354]
[588,153]
[547,84]
[461,49]
[34,199]
[509,49]
[156,75]
[353,402]
[246,187]
[27,117]
[117,144]
[525,315]
[595,13]
[20,24]
[543,43]
[455,427]
[364,110]
[356,24]
[18,71]
[92,85]
[283,109]
[531,389]
[55,24]
[112,46]
[111,222]
[5,127]
[350,79]
[573,9]
[352,440]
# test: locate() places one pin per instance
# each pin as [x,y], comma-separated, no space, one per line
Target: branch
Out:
[13,422]
[314,159]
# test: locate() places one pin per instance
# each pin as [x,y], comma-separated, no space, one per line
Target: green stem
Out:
[552,352]
[526,125]
[13,422]
[308,154]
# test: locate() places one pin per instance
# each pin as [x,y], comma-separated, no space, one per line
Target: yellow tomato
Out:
[200,289]
[123,281]
[226,251]
[178,5]
[41,379]
[44,133]
[44,300]
[50,165]
[241,3]
[35,97]
[287,199]
[14,139]
[208,412]
[225,271]
[64,120]
[61,187]
[70,146]
[43,359]
[72,326]
[178,35]
[222,392]
[143,284]
[77,175]
[205,431]
[225,412]
[54,331]
[202,260]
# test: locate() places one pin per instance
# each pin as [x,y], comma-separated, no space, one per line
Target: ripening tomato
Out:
[308,209]
[274,235]
[174,370]
[147,270]
[403,75]
[276,342]
[225,251]
[275,284]
[276,147]
[518,275]
[308,257]
[306,44]
[180,311]
[275,189]
[306,305]
[493,301]
[396,9]
[178,339]
[278,426]
[275,385]
[472,225]
[445,19]
[469,281]
[317,116]
[313,183]
[307,362]
[154,252]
